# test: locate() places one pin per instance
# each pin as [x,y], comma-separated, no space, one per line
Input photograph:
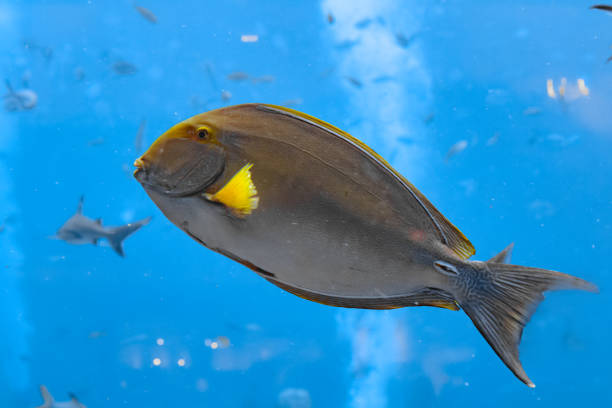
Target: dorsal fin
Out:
[504,256]
[449,234]
[47,398]
[80,206]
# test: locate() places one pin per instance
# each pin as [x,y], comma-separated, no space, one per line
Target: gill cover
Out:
[185,167]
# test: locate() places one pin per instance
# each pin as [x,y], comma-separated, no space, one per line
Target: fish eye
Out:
[202,133]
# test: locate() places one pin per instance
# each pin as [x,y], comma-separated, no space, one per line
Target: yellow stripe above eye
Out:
[239,194]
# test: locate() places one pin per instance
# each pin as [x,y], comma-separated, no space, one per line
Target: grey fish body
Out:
[79,230]
[332,221]
[49,401]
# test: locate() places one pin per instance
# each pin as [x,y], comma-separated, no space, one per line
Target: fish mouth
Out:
[150,178]
[140,172]
[139,164]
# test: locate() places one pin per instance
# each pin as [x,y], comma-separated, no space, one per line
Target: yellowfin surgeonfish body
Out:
[319,214]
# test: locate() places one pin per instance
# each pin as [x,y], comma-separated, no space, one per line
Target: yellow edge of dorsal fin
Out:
[239,194]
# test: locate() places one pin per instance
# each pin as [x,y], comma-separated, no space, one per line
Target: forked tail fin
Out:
[500,299]
[118,234]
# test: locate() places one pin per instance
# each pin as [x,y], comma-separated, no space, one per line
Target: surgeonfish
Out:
[80,229]
[319,214]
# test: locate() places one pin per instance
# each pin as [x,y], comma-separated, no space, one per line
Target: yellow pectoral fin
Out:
[239,195]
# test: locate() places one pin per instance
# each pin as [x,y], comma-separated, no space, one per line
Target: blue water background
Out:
[83,320]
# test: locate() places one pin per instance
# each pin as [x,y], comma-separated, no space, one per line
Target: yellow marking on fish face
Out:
[188,129]
[239,195]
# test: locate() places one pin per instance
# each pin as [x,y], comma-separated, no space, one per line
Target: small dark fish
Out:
[609,59]
[97,334]
[80,229]
[603,7]
[96,142]
[354,81]
[238,76]
[47,53]
[140,135]
[330,18]
[264,79]
[211,76]
[327,72]
[124,68]
[382,79]
[49,401]
[361,24]
[147,14]
[223,341]
[405,140]
[404,41]
[429,118]
[345,45]
[79,73]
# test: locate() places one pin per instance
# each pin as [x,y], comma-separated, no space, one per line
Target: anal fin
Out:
[424,297]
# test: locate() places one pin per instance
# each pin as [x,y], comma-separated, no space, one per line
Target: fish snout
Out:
[140,173]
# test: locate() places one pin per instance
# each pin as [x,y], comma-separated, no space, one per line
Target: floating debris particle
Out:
[562,87]
[550,89]
[582,87]
[493,139]
[456,149]
[249,38]
[226,95]
[292,102]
